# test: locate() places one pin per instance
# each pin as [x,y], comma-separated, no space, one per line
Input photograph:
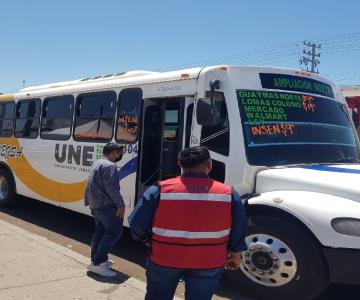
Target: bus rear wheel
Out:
[7,192]
[281,262]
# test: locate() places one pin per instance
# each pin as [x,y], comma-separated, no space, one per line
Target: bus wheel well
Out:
[4,166]
[264,210]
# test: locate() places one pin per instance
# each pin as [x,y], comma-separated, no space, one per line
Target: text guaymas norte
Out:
[260,106]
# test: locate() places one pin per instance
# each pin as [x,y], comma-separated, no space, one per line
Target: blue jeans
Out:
[162,282]
[108,230]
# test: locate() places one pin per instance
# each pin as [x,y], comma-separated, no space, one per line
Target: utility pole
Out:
[310,56]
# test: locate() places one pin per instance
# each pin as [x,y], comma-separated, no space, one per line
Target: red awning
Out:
[353,102]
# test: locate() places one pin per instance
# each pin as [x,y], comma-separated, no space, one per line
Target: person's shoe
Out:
[102,270]
[108,263]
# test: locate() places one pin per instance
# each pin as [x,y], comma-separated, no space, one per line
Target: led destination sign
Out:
[295,83]
[274,113]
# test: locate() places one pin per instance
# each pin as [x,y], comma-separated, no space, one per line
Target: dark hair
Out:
[193,156]
[110,147]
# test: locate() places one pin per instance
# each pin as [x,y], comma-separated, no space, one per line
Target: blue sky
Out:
[48,41]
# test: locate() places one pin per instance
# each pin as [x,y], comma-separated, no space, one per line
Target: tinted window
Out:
[285,128]
[94,116]
[56,119]
[27,118]
[128,115]
[217,171]
[215,133]
[6,119]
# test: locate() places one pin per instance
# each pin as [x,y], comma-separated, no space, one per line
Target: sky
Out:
[50,41]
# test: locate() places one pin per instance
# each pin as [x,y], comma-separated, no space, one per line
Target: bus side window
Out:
[57,113]
[129,106]
[94,116]
[7,119]
[27,118]
[213,117]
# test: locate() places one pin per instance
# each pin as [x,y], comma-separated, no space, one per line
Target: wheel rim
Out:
[4,188]
[268,260]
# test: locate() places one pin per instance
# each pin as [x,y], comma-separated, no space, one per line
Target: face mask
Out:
[118,158]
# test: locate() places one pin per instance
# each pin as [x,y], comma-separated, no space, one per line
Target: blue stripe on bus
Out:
[299,143]
[129,168]
[333,169]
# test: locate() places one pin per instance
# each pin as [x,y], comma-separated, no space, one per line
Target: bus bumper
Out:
[344,265]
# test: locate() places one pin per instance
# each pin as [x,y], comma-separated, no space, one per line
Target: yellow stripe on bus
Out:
[40,184]
[6,97]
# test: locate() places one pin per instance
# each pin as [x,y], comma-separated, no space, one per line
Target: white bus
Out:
[283,138]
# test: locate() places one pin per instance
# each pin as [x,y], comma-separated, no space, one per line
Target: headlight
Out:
[347,226]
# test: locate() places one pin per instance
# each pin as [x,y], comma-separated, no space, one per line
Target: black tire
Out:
[311,277]
[7,195]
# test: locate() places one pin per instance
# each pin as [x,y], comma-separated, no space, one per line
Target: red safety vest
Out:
[192,223]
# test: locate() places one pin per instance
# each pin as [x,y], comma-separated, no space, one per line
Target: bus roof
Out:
[133,78]
[120,78]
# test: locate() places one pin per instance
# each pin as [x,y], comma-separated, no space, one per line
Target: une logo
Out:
[79,155]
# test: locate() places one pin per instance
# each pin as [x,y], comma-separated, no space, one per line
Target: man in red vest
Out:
[195,227]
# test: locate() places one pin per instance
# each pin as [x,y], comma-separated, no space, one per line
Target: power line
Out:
[310,56]
[330,44]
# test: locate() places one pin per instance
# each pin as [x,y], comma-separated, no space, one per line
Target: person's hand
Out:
[120,213]
[233,262]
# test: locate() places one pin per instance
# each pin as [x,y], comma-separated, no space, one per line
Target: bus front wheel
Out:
[281,262]
[7,191]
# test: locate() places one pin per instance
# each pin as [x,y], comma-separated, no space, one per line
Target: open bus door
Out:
[166,126]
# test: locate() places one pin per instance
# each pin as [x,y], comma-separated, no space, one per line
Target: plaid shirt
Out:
[103,188]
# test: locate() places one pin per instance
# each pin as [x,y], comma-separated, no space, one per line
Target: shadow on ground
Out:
[79,227]
[73,225]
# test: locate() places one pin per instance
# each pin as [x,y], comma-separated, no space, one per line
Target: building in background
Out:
[352,96]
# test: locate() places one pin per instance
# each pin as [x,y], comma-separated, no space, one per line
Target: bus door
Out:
[166,125]
[211,130]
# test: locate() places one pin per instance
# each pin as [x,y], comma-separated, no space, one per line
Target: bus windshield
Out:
[283,128]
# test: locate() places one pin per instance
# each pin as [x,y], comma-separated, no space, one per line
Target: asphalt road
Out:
[74,230]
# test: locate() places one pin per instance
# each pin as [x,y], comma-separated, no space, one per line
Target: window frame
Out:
[139,115]
[44,102]
[39,117]
[227,153]
[13,119]
[188,123]
[113,116]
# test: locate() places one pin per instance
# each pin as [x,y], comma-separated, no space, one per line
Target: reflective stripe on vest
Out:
[195,197]
[191,234]
[192,223]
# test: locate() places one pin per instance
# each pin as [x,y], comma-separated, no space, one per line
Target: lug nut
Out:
[271,272]
[247,262]
[275,258]
[261,273]
[252,269]
[246,254]
[275,267]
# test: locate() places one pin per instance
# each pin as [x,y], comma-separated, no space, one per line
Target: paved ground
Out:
[32,267]
[66,229]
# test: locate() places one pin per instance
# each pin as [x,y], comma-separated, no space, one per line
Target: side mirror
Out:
[211,111]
